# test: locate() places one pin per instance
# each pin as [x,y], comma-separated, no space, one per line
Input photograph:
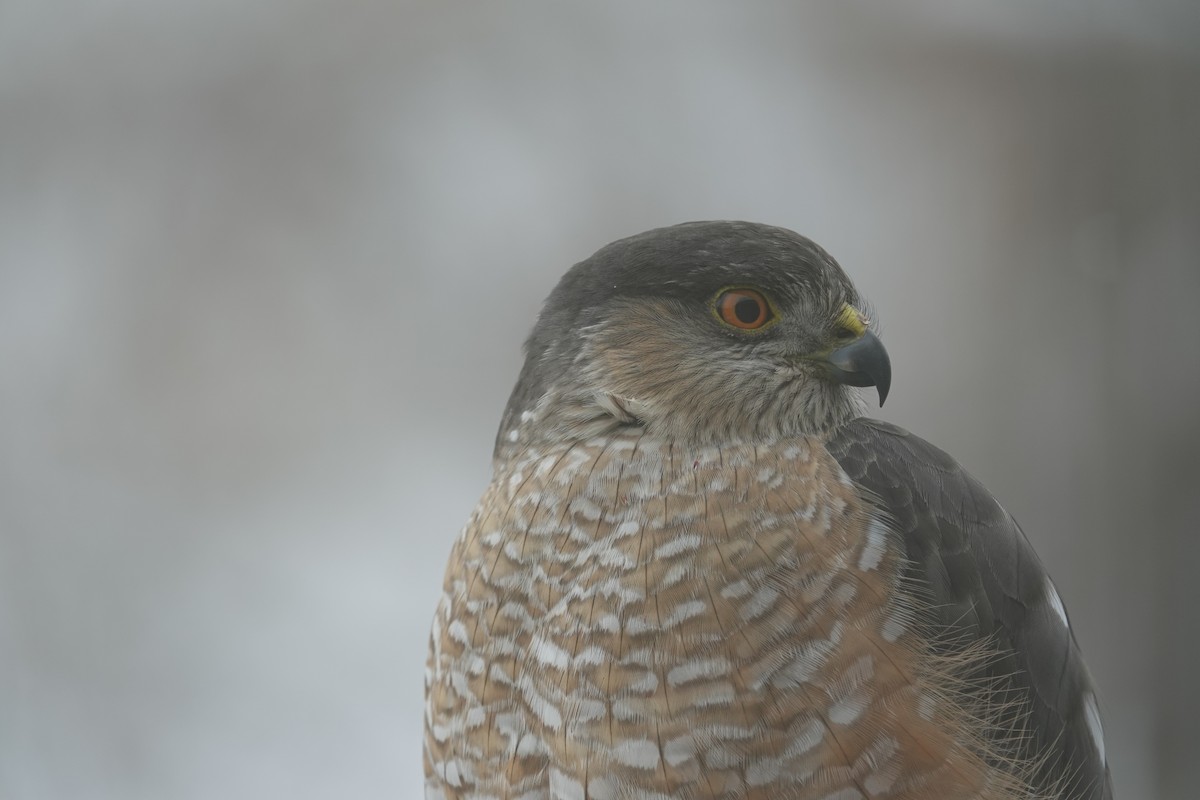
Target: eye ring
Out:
[743,309]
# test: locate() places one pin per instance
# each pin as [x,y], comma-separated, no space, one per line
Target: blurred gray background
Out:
[265,268]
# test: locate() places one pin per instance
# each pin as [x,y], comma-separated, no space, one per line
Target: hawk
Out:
[700,572]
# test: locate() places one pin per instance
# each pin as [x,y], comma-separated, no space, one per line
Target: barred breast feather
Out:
[628,617]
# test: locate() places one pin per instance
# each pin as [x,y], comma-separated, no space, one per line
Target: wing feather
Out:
[984,581]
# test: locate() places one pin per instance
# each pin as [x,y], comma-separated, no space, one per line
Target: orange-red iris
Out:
[743,308]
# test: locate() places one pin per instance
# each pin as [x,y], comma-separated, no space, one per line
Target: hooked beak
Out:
[863,362]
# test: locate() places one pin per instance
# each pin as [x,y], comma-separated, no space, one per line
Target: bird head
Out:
[703,331]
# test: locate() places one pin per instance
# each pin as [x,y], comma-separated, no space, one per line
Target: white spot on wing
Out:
[1056,603]
[1091,713]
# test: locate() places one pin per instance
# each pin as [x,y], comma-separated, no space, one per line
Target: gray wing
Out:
[984,580]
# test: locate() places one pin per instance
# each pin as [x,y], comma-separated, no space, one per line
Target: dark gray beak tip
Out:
[863,362]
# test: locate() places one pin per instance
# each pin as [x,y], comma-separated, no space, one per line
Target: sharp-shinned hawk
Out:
[699,572]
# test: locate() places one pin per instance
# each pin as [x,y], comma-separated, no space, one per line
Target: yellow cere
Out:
[852,320]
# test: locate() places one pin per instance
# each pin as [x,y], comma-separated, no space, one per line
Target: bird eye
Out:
[744,309]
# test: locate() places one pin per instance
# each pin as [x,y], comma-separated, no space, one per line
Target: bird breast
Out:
[630,617]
